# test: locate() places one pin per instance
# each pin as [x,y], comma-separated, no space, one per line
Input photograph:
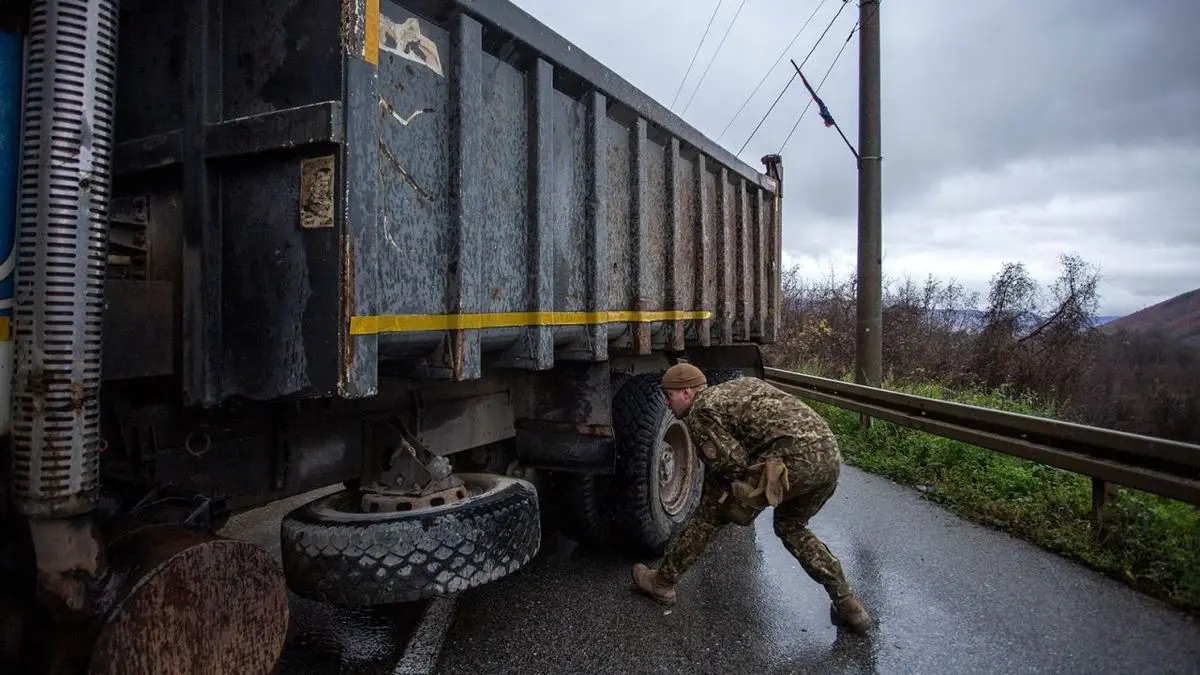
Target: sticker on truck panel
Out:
[406,41]
[316,192]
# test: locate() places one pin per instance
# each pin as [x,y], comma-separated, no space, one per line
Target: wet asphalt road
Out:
[949,597]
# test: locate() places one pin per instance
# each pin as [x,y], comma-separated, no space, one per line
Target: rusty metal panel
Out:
[539,345]
[568,191]
[599,294]
[139,331]
[726,246]
[617,195]
[487,193]
[759,251]
[656,227]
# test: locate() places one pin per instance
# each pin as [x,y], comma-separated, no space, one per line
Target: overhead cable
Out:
[793,77]
[697,52]
[772,68]
[714,56]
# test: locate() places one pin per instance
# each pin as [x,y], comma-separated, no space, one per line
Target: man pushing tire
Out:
[761,447]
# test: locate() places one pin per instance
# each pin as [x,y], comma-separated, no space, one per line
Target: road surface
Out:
[949,596]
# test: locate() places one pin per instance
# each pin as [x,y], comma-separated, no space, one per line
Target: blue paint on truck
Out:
[11,48]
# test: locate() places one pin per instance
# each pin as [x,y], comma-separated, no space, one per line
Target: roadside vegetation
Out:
[1033,351]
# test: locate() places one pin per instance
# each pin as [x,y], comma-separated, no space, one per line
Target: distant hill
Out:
[1178,318]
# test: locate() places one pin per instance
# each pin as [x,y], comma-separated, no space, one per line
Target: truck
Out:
[427,256]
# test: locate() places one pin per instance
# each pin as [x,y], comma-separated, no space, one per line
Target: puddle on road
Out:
[795,610]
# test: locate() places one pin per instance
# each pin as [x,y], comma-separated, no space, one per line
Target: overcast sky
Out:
[1012,130]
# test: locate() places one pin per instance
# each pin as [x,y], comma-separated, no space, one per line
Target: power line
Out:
[849,37]
[772,68]
[697,52]
[714,56]
[793,77]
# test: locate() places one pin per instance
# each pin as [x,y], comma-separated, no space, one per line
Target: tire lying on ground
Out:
[335,553]
[659,475]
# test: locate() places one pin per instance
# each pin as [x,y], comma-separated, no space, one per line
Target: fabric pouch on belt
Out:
[737,512]
[765,484]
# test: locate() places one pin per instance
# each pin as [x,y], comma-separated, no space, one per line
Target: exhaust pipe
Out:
[62,238]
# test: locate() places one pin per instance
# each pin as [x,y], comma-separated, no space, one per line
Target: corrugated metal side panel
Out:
[415,184]
[570,184]
[522,212]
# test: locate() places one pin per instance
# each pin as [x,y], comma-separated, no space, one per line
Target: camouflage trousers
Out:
[813,479]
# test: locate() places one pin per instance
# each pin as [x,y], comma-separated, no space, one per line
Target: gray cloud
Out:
[1011,131]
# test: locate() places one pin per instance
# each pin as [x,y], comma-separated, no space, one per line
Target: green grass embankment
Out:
[1153,543]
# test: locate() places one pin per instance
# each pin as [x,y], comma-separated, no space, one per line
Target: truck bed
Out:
[420,187]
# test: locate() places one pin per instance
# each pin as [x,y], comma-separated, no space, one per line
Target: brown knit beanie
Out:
[683,376]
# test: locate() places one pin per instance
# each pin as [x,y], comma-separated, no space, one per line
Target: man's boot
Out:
[646,580]
[848,612]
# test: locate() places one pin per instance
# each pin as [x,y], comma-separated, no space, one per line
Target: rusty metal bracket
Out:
[555,427]
[411,470]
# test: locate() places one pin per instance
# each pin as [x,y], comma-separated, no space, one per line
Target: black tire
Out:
[641,418]
[585,500]
[585,503]
[334,554]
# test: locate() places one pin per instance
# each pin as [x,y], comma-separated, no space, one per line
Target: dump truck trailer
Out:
[426,254]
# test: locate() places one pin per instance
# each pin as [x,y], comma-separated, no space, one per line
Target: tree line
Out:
[1028,339]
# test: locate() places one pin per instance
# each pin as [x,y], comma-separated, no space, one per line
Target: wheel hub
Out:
[385,502]
[666,463]
[676,467]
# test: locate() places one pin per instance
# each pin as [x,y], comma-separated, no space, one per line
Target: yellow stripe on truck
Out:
[371,32]
[412,323]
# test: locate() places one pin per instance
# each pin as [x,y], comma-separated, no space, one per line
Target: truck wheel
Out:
[658,477]
[333,552]
[585,500]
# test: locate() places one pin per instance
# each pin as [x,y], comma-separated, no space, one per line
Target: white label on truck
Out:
[406,41]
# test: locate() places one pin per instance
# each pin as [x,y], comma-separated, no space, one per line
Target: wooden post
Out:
[1102,493]
[868,341]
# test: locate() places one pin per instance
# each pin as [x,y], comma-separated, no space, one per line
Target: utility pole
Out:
[869,334]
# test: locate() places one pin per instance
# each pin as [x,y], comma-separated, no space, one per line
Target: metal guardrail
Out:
[1158,466]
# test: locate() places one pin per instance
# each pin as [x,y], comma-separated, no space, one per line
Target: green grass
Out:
[1152,543]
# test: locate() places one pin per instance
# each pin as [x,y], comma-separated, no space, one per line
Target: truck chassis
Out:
[428,251]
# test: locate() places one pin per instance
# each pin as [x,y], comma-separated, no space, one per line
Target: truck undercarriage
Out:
[427,250]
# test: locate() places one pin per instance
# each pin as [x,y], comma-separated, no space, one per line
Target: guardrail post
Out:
[1102,493]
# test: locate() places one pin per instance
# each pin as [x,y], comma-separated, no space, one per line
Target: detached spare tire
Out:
[333,552]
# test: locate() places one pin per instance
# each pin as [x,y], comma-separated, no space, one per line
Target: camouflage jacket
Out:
[738,423]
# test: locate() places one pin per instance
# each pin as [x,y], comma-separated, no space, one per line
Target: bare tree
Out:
[1027,339]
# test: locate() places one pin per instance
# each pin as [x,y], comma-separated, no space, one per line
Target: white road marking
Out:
[425,646]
